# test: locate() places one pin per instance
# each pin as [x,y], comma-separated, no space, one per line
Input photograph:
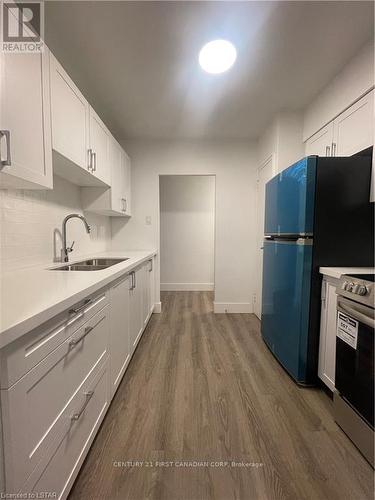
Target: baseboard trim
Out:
[232,307]
[157,308]
[186,287]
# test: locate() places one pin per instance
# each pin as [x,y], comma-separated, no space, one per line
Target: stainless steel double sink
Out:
[89,265]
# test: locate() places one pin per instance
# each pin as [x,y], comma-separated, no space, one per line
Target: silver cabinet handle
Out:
[94,166]
[74,342]
[133,280]
[81,308]
[151,266]
[328,150]
[333,149]
[89,159]
[123,200]
[88,395]
[8,161]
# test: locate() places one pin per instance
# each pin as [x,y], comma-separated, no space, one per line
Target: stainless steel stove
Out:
[354,381]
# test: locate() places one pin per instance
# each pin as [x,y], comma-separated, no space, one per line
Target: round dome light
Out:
[217,56]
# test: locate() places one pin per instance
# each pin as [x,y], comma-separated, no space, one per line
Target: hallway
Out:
[203,392]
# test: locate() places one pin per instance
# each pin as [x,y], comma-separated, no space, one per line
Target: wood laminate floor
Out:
[203,391]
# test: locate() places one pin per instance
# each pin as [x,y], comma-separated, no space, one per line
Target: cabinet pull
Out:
[94,164]
[81,308]
[87,330]
[151,266]
[89,159]
[333,149]
[8,161]
[328,150]
[88,395]
[74,342]
[132,274]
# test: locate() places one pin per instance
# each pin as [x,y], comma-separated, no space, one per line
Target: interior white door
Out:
[265,173]
[25,144]
[354,128]
[320,143]
[100,140]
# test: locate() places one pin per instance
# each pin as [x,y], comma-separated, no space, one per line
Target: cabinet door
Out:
[100,140]
[25,147]
[117,178]
[119,331]
[136,311]
[127,183]
[70,115]
[320,143]
[327,343]
[146,293]
[354,128]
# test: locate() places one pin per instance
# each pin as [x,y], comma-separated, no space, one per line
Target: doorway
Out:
[265,173]
[187,232]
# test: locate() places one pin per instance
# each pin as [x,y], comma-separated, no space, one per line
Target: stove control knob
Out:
[349,286]
[344,285]
[362,290]
[355,288]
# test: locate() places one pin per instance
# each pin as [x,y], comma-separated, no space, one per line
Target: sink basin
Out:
[90,265]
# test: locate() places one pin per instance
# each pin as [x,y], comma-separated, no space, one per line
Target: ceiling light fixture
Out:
[217,56]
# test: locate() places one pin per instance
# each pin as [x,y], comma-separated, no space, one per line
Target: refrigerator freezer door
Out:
[290,196]
[285,303]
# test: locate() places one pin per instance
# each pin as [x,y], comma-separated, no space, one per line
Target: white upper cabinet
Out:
[349,133]
[320,143]
[116,200]
[70,117]
[100,140]
[127,192]
[354,128]
[79,138]
[25,139]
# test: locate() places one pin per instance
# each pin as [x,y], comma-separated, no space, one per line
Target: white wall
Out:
[283,140]
[187,232]
[353,81]
[234,165]
[30,226]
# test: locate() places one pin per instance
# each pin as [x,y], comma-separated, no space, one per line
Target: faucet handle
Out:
[70,249]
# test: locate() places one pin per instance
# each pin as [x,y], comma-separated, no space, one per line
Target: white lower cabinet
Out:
[136,307]
[327,342]
[119,330]
[59,379]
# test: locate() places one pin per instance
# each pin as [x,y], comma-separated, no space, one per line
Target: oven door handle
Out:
[359,316]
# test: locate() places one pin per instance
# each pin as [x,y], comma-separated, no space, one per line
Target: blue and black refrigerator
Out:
[317,213]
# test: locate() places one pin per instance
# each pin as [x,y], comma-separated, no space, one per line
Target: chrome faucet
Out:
[66,250]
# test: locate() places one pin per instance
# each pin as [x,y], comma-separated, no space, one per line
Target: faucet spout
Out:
[65,249]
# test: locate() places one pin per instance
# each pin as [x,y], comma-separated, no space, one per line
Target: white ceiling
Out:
[138,61]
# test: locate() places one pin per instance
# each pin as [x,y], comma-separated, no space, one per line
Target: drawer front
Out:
[35,404]
[88,408]
[26,352]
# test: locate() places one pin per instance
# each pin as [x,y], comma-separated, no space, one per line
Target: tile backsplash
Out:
[30,226]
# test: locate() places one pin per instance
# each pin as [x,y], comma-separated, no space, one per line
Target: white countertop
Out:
[337,272]
[31,296]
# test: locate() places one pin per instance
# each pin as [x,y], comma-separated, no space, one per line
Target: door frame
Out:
[258,282]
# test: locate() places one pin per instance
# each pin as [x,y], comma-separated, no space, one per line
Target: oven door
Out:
[355,356]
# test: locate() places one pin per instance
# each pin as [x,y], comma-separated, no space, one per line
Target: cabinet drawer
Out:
[20,356]
[88,407]
[35,405]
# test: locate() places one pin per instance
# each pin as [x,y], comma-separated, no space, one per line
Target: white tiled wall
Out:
[30,226]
